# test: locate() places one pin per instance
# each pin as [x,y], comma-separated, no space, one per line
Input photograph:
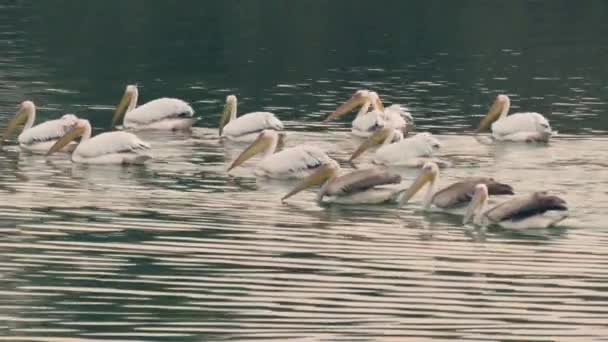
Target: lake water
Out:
[178,250]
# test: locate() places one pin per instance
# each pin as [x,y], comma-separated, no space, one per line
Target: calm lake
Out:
[178,250]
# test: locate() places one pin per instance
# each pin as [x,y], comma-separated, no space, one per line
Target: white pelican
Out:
[357,187]
[105,148]
[247,126]
[537,210]
[366,123]
[454,198]
[295,162]
[528,127]
[395,150]
[161,114]
[39,138]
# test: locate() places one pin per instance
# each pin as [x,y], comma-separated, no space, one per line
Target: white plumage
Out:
[293,162]
[163,113]
[160,114]
[394,116]
[528,126]
[39,138]
[407,152]
[105,148]
[368,122]
[246,127]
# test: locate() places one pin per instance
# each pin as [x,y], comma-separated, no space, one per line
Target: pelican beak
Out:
[17,122]
[225,117]
[492,115]
[475,206]
[258,146]
[354,102]
[121,109]
[376,139]
[378,104]
[67,138]
[318,177]
[424,177]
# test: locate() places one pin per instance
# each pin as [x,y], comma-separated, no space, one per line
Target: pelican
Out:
[248,126]
[39,138]
[528,127]
[105,148]
[454,198]
[295,162]
[357,187]
[537,210]
[160,114]
[395,150]
[366,123]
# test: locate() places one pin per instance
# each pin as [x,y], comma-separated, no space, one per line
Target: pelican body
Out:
[454,198]
[357,187]
[105,148]
[160,114]
[537,210]
[39,138]
[248,126]
[366,123]
[294,162]
[396,150]
[528,127]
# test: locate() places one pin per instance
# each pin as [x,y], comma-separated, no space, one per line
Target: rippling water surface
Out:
[178,250]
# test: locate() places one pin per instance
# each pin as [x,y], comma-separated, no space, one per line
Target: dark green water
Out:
[180,251]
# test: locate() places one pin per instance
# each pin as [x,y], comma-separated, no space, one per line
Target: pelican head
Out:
[228,113]
[266,143]
[380,137]
[499,109]
[127,103]
[80,129]
[25,113]
[361,98]
[323,174]
[428,174]
[477,205]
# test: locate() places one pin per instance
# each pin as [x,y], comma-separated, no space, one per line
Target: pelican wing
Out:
[159,109]
[518,122]
[47,131]
[525,207]
[252,123]
[420,145]
[400,111]
[360,180]
[109,143]
[368,123]
[461,193]
[293,161]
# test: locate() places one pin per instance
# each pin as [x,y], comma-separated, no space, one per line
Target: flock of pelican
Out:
[385,130]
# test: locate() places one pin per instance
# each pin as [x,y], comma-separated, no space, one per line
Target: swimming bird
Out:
[106,148]
[294,162]
[247,126]
[396,150]
[366,186]
[528,126]
[39,138]
[537,210]
[160,114]
[454,198]
[366,123]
